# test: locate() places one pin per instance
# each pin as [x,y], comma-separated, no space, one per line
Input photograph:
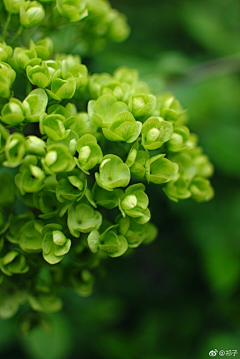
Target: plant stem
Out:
[4,34]
[18,33]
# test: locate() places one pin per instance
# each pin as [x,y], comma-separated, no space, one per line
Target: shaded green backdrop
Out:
[180,296]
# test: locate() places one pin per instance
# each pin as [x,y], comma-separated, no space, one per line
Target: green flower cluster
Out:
[73,155]
[94,22]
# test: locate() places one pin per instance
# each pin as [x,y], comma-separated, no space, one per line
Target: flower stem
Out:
[4,34]
[18,33]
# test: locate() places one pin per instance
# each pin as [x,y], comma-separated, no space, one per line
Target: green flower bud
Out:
[105,198]
[82,218]
[15,149]
[62,89]
[5,51]
[178,141]
[7,191]
[83,255]
[170,108]
[204,166]
[187,167]
[43,48]
[13,6]
[16,224]
[42,299]
[35,146]
[97,82]
[68,61]
[24,57]
[12,112]
[82,282]
[31,14]
[160,170]
[123,74]
[89,153]
[132,231]
[68,116]
[111,243]
[35,105]
[136,233]
[70,141]
[73,10]
[119,29]
[34,321]
[47,203]
[31,237]
[70,188]
[121,91]
[177,189]
[10,299]
[155,132]
[135,203]
[140,88]
[124,128]
[138,168]
[104,111]
[80,74]
[83,125]
[112,173]
[142,105]
[136,161]
[58,159]
[55,244]
[201,189]
[151,233]
[7,77]
[30,177]
[53,127]
[39,75]
[14,262]
[54,68]
[69,111]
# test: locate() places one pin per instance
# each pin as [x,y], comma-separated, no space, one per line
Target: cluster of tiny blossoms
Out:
[76,155]
[64,18]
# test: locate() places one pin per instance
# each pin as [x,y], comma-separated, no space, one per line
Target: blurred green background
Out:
[180,296]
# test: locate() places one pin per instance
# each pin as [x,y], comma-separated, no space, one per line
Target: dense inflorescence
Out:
[77,154]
